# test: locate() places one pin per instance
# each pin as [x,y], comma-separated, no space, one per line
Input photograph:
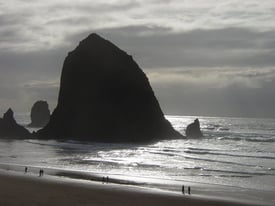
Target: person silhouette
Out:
[107,179]
[189,190]
[182,189]
[26,169]
[41,172]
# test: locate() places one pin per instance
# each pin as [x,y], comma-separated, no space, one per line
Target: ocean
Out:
[234,152]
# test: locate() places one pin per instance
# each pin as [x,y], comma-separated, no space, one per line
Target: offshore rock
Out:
[10,129]
[40,114]
[193,130]
[104,96]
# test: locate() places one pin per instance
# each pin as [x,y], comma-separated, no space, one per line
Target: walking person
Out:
[182,189]
[41,172]
[189,190]
[26,170]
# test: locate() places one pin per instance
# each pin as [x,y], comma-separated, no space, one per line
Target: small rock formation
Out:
[40,114]
[193,130]
[10,129]
[104,96]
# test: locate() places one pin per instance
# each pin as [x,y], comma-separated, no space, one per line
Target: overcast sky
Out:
[202,57]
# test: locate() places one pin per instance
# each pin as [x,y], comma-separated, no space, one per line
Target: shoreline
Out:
[31,190]
[61,185]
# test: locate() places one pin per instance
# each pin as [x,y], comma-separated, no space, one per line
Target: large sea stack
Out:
[104,96]
[40,114]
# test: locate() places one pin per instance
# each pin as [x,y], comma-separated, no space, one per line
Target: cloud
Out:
[246,78]
[21,95]
[216,92]
[28,77]
[197,62]
[45,23]
[202,57]
[156,47]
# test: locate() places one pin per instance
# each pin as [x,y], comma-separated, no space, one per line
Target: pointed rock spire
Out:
[10,129]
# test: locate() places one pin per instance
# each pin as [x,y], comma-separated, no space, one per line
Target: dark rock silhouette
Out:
[10,129]
[104,96]
[40,114]
[193,130]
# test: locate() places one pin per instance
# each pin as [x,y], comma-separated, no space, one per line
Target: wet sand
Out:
[30,190]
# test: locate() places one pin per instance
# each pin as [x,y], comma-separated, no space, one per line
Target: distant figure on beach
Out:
[105,179]
[189,190]
[41,173]
[26,169]
[182,189]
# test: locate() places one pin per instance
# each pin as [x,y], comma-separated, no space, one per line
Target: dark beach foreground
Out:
[17,189]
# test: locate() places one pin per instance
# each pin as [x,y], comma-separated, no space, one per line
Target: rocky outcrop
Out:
[104,96]
[193,130]
[10,129]
[40,114]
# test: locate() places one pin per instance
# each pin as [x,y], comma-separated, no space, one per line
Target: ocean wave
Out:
[240,172]
[238,176]
[209,128]
[223,129]
[247,139]
[114,162]
[261,140]
[168,150]
[222,161]
[59,144]
[227,154]
[96,162]
[226,173]
[193,168]
[181,155]
[163,153]
[200,149]
[69,146]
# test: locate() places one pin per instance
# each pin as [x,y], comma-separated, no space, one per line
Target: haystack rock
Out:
[10,129]
[104,96]
[40,114]
[193,130]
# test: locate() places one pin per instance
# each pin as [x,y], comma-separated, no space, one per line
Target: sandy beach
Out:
[20,189]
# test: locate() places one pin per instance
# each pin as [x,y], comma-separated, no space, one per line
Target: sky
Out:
[202,57]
